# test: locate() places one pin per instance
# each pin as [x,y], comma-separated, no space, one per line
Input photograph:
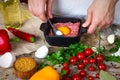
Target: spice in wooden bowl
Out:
[24,67]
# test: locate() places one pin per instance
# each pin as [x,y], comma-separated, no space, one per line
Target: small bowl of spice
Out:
[24,67]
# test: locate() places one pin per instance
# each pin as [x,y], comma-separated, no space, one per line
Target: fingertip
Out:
[50,16]
[91,30]
[84,25]
[49,13]
[88,20]
[43,18]
[49,8]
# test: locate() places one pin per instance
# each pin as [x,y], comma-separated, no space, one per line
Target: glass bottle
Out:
[11,13]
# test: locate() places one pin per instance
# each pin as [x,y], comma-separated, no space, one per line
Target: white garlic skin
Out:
[7,60]
[41,52]
[111,38]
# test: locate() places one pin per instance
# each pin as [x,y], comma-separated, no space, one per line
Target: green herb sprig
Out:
[113,58]
[64,54]
[116,46]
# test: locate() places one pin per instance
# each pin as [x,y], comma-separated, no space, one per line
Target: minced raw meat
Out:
[74,27]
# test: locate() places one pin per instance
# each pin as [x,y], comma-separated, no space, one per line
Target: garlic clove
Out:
[41,52]
[111,38]
[95,49]
[7,60]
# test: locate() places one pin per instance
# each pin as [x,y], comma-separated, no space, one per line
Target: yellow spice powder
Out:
[25,64]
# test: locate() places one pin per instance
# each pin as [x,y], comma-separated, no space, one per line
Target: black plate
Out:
[61,40]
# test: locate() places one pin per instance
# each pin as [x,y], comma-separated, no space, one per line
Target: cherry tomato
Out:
[92,60]
[65,64]
[76,77]
[100,58]
[90,78]
[73,60]
[80,56]
[102,66]
[83,73]
[86,61]
[63,78]
[67,70]
[88,51]
[80,66]
[97,75]
[66,78]
[91,68]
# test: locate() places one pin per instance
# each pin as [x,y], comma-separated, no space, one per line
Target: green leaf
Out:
[41,65]
[113,50]
[106,76]
[113,58]
[63,72]
[116,46]
[64,54]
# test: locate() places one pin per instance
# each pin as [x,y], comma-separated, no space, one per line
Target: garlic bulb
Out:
[111,38]
[41,52]
[7,60]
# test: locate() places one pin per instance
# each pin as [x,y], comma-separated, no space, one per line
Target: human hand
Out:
[100,14]
[41,8]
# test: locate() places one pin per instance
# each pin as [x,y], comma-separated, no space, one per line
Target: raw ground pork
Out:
[74,27]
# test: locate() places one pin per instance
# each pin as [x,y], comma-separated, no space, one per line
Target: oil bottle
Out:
[11,13]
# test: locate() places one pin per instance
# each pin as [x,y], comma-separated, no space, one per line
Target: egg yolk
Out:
[64,29]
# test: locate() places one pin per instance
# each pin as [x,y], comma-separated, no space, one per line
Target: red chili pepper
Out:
[4,42]
[23,35]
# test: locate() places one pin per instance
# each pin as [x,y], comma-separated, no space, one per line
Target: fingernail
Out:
[83,25]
